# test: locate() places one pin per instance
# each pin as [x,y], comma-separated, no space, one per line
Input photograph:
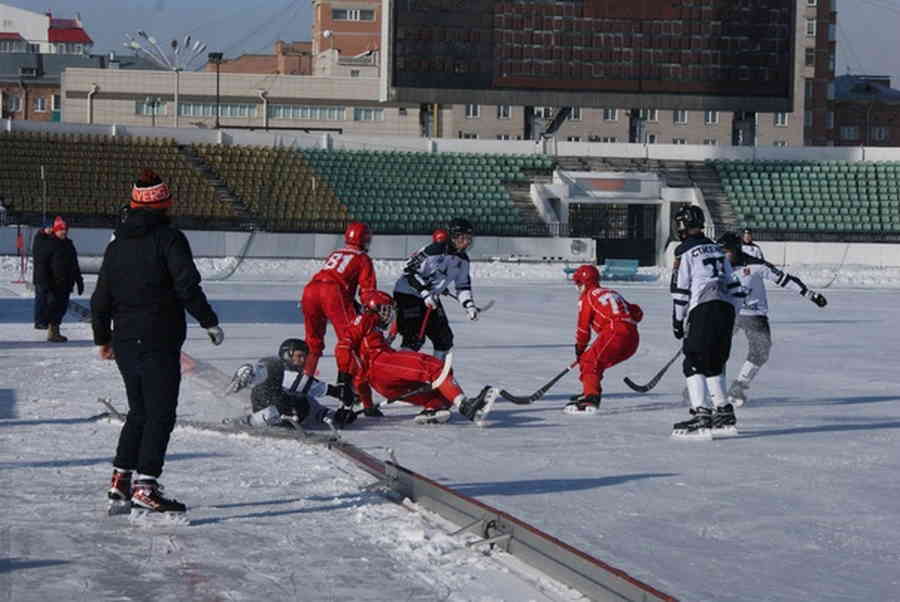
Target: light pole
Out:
[216,59]
[177,58]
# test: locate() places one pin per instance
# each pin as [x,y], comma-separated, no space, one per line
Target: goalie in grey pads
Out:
[753,315]
[284,396]
[703,293]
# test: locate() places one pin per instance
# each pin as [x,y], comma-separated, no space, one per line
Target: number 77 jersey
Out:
[701,274]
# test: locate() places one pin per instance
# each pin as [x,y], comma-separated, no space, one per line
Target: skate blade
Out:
[698,435]
[725,432]
[490,398]
[574,411]
[736,401]
[118,507]
[441,417]
[141,517]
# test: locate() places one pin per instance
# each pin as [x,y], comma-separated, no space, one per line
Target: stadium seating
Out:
[814,196]
[89,177]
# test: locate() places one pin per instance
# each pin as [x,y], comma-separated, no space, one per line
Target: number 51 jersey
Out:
[701,274]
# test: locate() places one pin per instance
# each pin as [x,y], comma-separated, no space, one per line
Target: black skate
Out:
[583,405]
[724,423]
[149,504]
[477,408]
[428,416]
[698,427]
[373,412]
[119,493]
[737,394]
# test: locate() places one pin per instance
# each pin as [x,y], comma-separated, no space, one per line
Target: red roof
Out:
[64,23]
[10,36]
[73,35]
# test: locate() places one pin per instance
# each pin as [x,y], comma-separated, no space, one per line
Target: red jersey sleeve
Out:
[637,314]
[367,280]
[585,315]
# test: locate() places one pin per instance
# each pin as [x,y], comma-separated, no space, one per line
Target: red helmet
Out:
[380,303]
[586,274]
[358,235]
[440,235]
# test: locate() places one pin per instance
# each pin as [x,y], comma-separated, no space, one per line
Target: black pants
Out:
[410,313]
[57,305]
[152,379]
[40,305]
[708,341]
[759,337]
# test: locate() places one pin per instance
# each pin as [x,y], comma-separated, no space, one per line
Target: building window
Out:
[781,120]
[40,104]
[504,112]
[651,115]
[711,117]
[679,140]
[780,143]
[810,57]
[57,103]
[468,135]
[576,114]
[473,111]
[504,137]
[402,111]
[829,92]
[610,114]
[13,103]
[651,138]
[366,114]
[849,132]
[809,90]
[231,110]
[811,2]
[807,119]
[352,14]
[150,108]
[608,139]
[302,112]
[829,120]
[711,142]
[831,63]
[354,73]
[879,134]
[810,27]
[680,117]
[573,138]
[543,113]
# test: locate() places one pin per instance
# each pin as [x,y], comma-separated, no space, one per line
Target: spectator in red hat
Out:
[64,276]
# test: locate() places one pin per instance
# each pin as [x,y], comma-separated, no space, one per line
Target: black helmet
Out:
[730,241]
[289,346]
[688,217]
[459,226]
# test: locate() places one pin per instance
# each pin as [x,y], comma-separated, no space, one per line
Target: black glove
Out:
[678,328]
[345,389]
[80,285]
[373,412]
[578,351]
[343,417]
[817,298]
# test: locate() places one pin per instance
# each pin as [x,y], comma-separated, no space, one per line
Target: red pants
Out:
[323,302]
[607,350]
[394,373]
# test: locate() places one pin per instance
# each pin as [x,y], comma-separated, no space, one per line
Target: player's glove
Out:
[678,328]
[817,298]
[431,301]
[243,376]
[216,335]
[345,386]
[578,351]
[471,309]
[343,417]
[80,286]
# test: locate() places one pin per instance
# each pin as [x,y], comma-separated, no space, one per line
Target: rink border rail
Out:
[592,577]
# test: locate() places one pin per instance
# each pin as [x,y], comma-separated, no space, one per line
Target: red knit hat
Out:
[150,192]
[59,224]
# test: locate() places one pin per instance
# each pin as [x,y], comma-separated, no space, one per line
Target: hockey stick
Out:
[424,324]
[653,381]
[425,388]
[525,400]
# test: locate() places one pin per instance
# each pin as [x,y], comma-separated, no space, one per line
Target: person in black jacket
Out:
[40,254]
[147,281]
[64,275]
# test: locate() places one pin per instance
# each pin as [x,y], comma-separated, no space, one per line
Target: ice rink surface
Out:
[801,506]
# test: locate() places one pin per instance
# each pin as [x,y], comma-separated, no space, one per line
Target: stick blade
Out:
[516,399]
[636,387]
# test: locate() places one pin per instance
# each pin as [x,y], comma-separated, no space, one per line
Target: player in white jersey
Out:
[428,274]
[748,246]
[753,316]
[283,395]
[703,293]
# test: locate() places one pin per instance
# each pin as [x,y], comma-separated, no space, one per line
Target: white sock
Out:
[458,400]
[716,385]
[696,390]
[144,477]
[748,371]
[122,470]
[267,415]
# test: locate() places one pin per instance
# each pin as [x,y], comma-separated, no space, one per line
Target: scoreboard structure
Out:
[730,55]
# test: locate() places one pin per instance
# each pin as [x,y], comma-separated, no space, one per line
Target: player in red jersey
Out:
[394,373]
[330,296]
[614,320]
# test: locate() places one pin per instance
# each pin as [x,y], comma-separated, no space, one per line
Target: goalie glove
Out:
[817,298]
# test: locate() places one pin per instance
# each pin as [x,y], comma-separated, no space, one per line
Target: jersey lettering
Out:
[338,262]
[615,302]
[717,265]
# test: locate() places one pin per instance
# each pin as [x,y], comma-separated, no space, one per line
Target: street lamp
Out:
[177,58]
[153,102]
[216,59]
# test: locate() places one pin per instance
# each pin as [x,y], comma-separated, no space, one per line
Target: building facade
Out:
[24,31]
[866,111]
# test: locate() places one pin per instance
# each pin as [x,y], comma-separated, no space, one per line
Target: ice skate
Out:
[724,423]
[119,493]
[698,427]
[149,506]
[737,393]
[428,416]
[584,405]
[477,408]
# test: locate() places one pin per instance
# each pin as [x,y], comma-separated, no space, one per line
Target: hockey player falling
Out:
[417,378]
[615,321]
[330,296]
[753,314]
[428,274]
[703,293]
[283,395]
